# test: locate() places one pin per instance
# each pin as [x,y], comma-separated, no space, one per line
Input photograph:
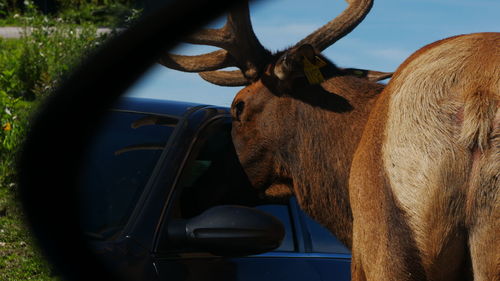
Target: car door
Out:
[212,176]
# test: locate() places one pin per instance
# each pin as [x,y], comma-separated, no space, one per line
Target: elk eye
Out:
[284,58]
[238,109]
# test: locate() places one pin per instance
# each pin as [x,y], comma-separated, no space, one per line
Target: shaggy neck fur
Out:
[319,157]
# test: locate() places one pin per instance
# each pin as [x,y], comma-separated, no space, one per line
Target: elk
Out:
[406,175]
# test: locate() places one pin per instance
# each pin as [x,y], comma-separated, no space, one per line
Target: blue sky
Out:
[392,31]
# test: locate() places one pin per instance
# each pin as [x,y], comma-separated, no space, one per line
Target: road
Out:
[15,32]
[10,32]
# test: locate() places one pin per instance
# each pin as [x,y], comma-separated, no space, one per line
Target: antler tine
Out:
[245,47]
[206,62]
[241,49]
[328,34]
[213,37]
[233,78]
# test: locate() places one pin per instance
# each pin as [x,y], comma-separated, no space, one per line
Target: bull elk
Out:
[406,175]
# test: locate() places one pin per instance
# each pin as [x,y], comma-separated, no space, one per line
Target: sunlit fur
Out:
[429,136]
[406,176]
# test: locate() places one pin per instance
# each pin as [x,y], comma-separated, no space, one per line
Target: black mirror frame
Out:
[229,230]
[52,153]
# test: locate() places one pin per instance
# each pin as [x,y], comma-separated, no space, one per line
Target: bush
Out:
[9,7]
[110,13]
[19,259]
[51,47]
[14,122]
[30,68]
[13,110]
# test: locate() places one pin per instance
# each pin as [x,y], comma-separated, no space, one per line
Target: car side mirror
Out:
[229,231]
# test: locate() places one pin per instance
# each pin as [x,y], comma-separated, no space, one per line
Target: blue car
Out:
[163,198]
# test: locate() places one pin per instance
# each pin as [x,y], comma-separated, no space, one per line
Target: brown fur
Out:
[276,131]
[409,179]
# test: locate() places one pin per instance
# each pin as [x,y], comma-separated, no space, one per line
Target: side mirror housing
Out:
[229,231]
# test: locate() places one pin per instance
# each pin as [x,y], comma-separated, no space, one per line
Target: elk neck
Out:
[328,126]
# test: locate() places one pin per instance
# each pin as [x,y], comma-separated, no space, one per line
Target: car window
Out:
[322,240]
[213,176]
[117,166]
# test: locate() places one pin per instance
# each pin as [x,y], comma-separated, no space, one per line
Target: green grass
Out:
[20,258]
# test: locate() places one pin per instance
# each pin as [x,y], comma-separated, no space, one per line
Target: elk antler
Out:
[241,49]
[340,26]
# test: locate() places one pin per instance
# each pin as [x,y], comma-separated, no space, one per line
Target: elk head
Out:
[290,124]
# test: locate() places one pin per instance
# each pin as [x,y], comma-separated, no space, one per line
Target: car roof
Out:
[157,106]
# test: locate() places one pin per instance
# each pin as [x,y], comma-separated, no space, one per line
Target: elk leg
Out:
[384,250]
[357,271]
[484,245]
[383,243]
[484,217]
[483,210]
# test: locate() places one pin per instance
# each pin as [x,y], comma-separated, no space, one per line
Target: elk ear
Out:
[370,75]
[299,62]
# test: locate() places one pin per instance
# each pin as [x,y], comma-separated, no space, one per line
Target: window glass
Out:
[322,240]
[212,176]
[117,165]
[281,213]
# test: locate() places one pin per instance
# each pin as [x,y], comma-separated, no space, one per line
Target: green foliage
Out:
[13,110]
[51,47]
[109,13]
[30,68]
[9,7]
[78,3]
[10,52]
[14,122]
